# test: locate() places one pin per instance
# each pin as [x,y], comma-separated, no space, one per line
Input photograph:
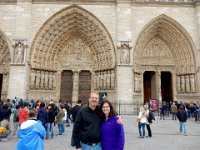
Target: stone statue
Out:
[50,80]
[32,81]
[112,79]
[46,86]
[19,53]
[42,80]
[54,81]
[187,84]
[137,83]
[182,83]
[178,83]
[37,86]
[125,58]
[192,83]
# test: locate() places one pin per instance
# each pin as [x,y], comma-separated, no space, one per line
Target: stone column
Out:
[158,86]
[75,86]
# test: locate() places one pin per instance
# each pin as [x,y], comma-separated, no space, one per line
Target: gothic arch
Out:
[72,21]
[5,60]
[177,45]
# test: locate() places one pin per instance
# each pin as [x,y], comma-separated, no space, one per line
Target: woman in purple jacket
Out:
[112,133]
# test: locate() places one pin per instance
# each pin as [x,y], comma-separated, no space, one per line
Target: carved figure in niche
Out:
[137,83]
[100,81]
[50,80]
[19,53]
[37,80]
[32,83]
[46,79]
[75,81]
[182,83]
[178,83]
[108,80]
[5,83]
[42,80]
[112,79]
[54,81]
[124,57]
[192,83]
[187,84]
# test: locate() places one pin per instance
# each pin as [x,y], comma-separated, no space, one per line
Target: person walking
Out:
[174,111]
[143,120]
[31,133]
[112,133]
[182,117]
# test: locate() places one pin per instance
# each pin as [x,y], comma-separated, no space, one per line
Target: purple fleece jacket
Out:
[112,135]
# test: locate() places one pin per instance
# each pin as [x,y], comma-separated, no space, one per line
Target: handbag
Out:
[138,119]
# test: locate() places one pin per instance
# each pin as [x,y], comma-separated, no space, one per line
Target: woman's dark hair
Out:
[112,110]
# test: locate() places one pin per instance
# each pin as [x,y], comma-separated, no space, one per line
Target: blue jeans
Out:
[88,147]
[60,129]
[183,127]
[50,129]
[141,128]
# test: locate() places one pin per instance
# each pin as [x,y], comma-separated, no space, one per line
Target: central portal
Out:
[75,84]
[157,86]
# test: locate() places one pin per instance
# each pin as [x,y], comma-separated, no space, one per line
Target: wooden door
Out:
[84,85]
[66,85]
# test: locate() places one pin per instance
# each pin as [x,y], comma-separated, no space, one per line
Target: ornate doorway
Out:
[66,85]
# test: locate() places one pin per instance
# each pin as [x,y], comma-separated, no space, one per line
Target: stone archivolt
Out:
[173,40]
[72,23]
[5,60]
[4,55]
[164,45]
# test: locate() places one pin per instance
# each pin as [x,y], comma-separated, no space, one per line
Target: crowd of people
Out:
[95,126]
[35,121]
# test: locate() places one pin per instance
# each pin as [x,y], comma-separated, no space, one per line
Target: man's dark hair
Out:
[42,105]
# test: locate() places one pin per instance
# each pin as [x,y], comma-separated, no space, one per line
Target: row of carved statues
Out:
[186,83]
[42,80]
[105,80]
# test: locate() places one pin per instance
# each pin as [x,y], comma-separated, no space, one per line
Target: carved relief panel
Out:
[105,80]
[42,80]
[185,83]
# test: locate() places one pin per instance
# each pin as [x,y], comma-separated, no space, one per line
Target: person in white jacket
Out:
[143,120]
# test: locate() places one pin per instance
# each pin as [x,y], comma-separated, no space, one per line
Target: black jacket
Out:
[87,127]
[182,116]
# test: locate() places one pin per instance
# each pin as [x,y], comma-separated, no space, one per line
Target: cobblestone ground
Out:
[166,136]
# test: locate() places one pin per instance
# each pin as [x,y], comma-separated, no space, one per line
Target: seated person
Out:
[4,129]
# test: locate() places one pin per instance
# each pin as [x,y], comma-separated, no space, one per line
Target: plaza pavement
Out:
[166,136]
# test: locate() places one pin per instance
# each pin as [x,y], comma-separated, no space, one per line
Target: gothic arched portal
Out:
[72,39]
[5,60]
[165,46]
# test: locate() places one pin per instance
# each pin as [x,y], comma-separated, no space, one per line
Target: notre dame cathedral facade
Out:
[132,50]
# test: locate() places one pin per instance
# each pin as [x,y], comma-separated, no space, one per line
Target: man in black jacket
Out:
[86,131]
[182,117]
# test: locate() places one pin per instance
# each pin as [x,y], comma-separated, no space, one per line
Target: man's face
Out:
[93,99]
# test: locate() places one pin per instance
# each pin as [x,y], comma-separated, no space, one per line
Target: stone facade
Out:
[117,41]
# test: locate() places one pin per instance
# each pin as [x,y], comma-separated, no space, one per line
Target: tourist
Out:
[31,133]
[112,133]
